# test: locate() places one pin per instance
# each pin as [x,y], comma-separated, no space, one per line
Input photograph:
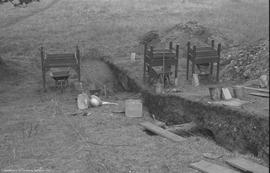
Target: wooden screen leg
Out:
[144,72]
[187,68]
[44,80]
[79,74]
[176,72]
[193,68]
[217,72]
[211,68]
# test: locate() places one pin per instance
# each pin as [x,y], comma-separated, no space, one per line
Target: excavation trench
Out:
[235,130]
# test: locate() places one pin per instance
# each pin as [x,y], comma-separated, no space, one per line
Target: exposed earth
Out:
[37,129]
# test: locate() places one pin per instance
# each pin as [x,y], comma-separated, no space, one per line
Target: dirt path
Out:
[18,19]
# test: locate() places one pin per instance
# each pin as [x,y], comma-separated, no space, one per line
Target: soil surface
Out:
[39,132]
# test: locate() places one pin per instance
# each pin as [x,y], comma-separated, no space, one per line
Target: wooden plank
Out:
[57,61]
[206,54]
[208,167]
[247,165]
[259,94]
[153,128]
[205,60]
[182,127]
[257,89]
[63,55]
[61,65]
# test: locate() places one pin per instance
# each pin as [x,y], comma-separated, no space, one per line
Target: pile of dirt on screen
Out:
[239,62]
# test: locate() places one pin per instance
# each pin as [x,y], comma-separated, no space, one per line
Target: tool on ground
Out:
[96,101]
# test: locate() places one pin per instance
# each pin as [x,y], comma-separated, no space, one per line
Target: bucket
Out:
[214,93]
[83,101]
[195,80]
[158,88]
[133,108]
[132,57]
[176,82]
[238,91]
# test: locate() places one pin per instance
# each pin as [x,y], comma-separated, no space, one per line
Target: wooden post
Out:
[171,45]
[43,68]
[163,68]
[144,65]
[218,49]
[79,62]
[151,56]
[188,51]
[176,65]
[194,59]
[212,43]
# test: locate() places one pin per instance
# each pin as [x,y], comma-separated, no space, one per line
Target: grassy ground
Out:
[34,130]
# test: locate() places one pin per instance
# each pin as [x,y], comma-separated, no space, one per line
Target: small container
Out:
[176,82]
[238,91]
[132,57]
[214,93]
[195,80]
[226,94]
[83,101]
[158,88]
[133,108]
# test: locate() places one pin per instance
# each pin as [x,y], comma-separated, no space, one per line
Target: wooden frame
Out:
[49,60]
[203,55]
[160,57]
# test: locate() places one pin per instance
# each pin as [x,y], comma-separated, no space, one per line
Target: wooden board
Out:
[259,94]
[247,165]
[155,129]
[182,127]
[208,167]
[257,89]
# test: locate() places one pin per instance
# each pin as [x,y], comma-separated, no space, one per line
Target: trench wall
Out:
[234,129]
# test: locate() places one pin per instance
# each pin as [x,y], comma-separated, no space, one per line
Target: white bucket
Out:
[133,108]
[195,80]
[132,57]
[83,101]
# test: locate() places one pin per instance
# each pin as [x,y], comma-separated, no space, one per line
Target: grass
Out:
[114,26]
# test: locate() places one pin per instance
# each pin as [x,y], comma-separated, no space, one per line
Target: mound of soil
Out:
[246,63]
[238,62]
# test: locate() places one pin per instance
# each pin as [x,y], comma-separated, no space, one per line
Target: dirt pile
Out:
[247,62]
[197,34]
[238,61]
